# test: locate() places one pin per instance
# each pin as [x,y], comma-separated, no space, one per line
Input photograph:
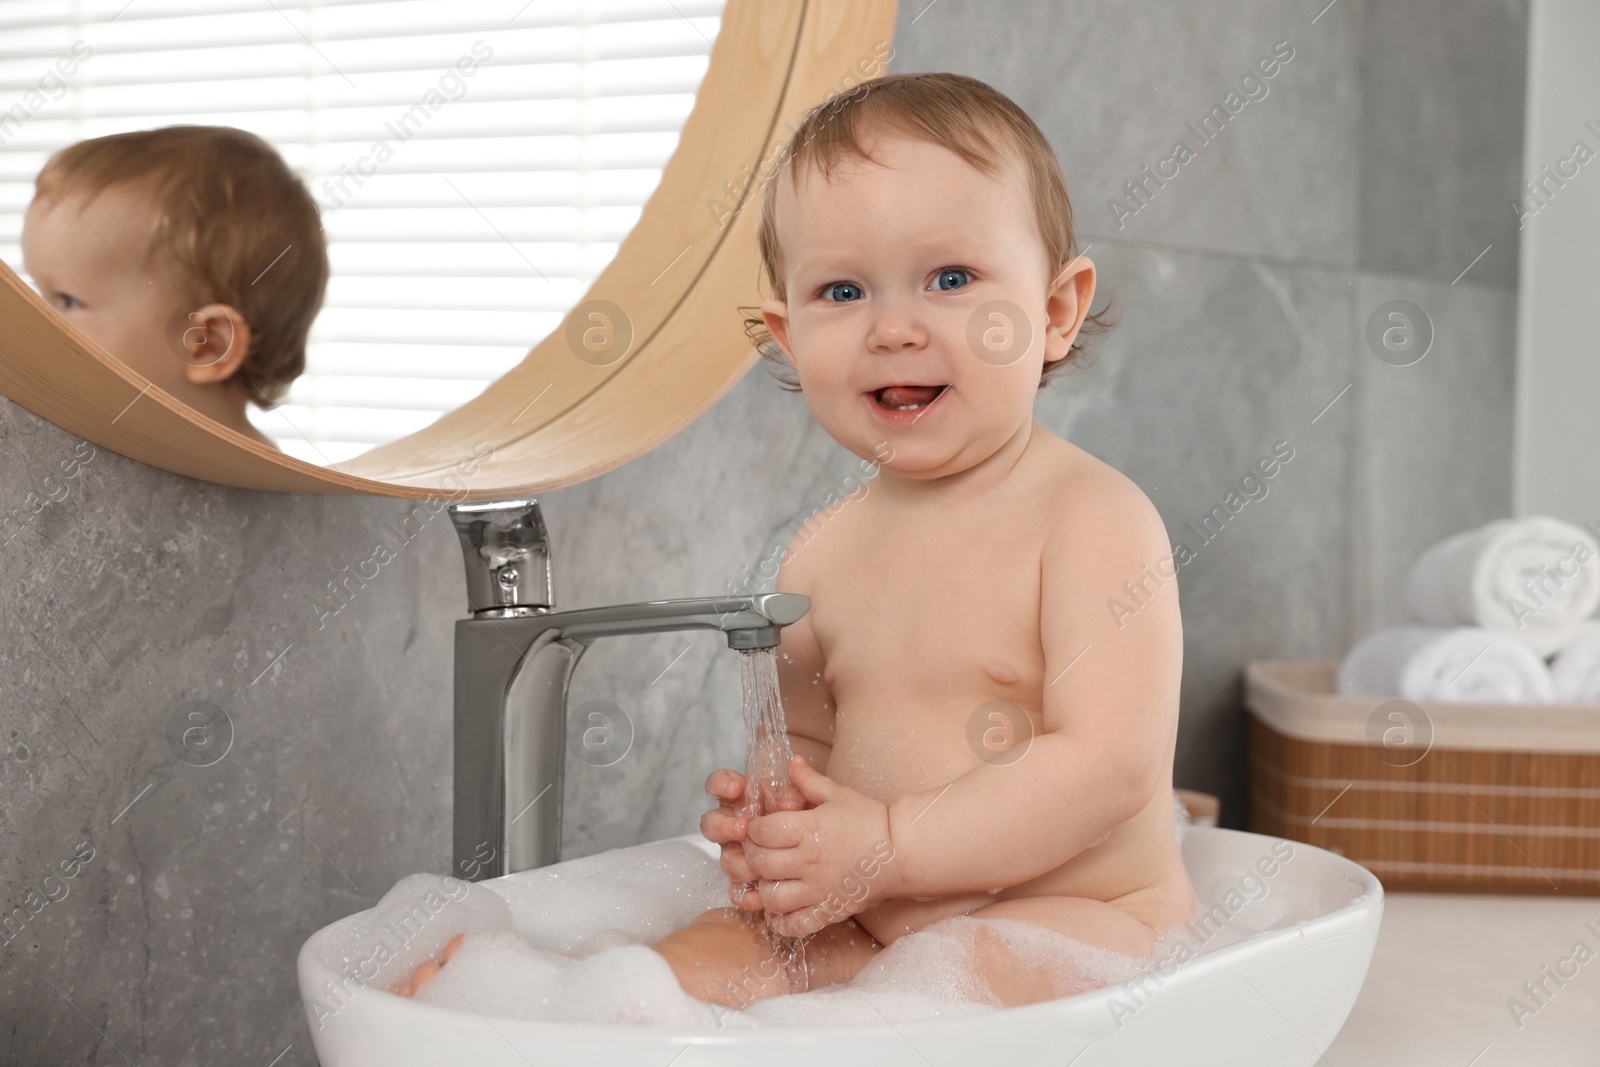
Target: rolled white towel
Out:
[1576,667]
[1466,663]
[1535,577]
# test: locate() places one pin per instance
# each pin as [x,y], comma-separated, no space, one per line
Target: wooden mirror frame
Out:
[554,419]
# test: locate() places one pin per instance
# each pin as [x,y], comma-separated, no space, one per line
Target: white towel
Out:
[1467,663]
[1535,577]
[1576,667]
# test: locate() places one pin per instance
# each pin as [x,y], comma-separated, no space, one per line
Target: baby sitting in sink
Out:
[993,732]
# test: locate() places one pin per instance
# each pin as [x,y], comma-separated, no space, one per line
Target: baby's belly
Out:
[888,744]
[895,754]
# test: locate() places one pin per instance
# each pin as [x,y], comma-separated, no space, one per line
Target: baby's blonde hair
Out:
[241,227]
[967,116]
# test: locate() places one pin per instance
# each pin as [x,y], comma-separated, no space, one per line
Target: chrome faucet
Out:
[514,659]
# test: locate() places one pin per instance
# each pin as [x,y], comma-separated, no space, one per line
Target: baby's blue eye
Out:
[945,274]
[70,302]
[839,285]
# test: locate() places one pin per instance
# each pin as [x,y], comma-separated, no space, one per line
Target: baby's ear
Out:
[775,314]
[214,343]
[1066,306]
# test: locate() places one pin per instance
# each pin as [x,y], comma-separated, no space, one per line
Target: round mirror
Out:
[569,176]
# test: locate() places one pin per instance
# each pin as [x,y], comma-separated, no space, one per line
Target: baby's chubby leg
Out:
[723,957]
[1022,977]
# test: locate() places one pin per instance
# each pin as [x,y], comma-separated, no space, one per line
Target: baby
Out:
[191,253]
[988,739]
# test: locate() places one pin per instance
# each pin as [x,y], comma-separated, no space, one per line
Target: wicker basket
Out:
[1502,798]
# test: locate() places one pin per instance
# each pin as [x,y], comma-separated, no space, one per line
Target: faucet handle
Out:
[506,549]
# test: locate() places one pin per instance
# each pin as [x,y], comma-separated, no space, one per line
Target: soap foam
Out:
[1180,819]
[571,942]
[501,974]
[932,973]
[634,895]
[410,925]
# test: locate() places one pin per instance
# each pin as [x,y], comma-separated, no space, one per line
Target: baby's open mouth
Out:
[908,397]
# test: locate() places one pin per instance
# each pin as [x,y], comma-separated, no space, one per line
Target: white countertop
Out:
[1446,966]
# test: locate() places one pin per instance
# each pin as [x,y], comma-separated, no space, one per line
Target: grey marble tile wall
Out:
[136,605]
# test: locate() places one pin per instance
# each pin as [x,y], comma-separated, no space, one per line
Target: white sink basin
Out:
[1277,996]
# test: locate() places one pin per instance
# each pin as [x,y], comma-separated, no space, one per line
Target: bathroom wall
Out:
[1557,317]
[138,605]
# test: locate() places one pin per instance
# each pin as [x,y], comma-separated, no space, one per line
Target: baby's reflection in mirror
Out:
[191,253]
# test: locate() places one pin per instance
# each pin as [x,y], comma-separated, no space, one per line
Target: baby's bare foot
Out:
[426,970]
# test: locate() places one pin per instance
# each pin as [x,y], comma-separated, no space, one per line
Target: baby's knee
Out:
[722,957]
[715,916]
[835,953]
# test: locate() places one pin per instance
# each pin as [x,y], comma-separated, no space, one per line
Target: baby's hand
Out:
[825,864]
[726,826]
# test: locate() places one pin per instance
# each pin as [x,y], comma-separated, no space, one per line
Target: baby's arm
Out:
[1110,710]
[808,706]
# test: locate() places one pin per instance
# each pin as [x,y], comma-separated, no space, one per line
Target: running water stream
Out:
[767,775]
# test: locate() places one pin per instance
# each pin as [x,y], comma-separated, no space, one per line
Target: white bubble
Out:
[502,974]
[572,942]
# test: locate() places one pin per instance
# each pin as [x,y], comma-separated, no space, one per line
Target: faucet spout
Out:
[514,661]
[750,622]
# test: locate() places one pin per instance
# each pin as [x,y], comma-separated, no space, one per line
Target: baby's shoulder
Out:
[808,548]
[1086,497]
